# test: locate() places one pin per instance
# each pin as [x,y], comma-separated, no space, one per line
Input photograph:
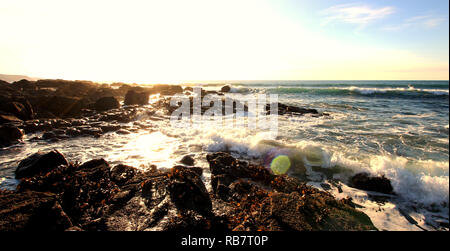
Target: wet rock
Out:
[109,127]
[21,109]
[123,132]
[62,106]
[366,182]
[10,134]
[120,174]
[188,191]
[48,135]
[187,160]
[284,109]
[95,197]
[31,211]
[251,199]
[92,131]
[73,132]
[59,132]
[136,98]
[40,163]
[4,118]
[106,103]
[83,191]
[225,89]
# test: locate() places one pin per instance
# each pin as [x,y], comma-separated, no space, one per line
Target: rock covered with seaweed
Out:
[95,196]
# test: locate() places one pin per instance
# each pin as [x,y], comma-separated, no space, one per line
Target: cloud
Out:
[355,14]
[423,21]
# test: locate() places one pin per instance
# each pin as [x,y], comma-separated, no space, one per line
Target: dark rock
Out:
[120,174]
[251,199]
[284,109]
[366,182]
[83,191]
[136,98]
[246,197]
[31,211]
[10,134]
[109,127]
[225,89]
[106,103]
[92,131]
[187,160]
[167,89]
[59,132]
[48,135]
[24,85]
[9,119]
[21,109]
[62,106]
[40,163]
[123,132]
[187,191]
[73,132]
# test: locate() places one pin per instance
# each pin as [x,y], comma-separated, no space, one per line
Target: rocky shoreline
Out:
[55,194]
[61,109]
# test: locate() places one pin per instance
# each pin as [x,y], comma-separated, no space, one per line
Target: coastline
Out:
[50,111]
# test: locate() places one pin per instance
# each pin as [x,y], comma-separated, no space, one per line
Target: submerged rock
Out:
[376,184]
[284,109]
[10,134]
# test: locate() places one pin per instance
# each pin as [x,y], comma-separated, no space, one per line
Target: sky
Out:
[197,40]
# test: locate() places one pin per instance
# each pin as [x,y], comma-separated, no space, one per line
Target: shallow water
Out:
[394,128]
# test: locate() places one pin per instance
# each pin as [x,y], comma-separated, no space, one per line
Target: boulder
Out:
[62,106]
[225,89]
[366,182]
[10,134]
[20,109]
[40,163]
[136,98]
[187,160]
[188,191]
[106,103]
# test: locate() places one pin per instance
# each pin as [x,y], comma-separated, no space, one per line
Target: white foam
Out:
[368,91]
[418,181]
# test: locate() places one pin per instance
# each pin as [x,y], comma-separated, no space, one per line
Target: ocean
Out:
[399,129]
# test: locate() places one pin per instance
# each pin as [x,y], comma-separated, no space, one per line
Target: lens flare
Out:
[280,164]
